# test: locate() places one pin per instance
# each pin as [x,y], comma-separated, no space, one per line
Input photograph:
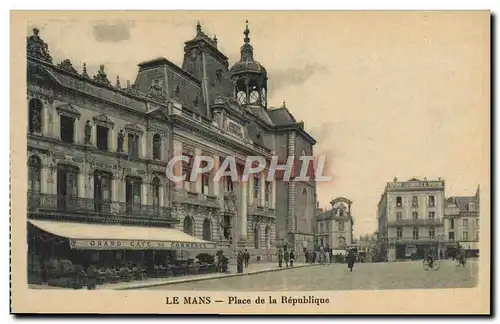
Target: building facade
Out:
[461,223]
[410,219]
[97,151]
[334,227]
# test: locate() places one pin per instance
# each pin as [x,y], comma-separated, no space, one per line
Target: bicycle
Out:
[434,265]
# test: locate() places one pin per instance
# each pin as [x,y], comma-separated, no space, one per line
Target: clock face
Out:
[254,96]
[241,97]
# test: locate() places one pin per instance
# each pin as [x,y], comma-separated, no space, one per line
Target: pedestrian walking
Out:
[292,258]
[91,277]
[287,258]
[217,262]
[239,262]
[351,259]
[280,258]
[247,258]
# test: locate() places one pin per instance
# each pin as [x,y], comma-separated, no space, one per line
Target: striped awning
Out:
[84,236]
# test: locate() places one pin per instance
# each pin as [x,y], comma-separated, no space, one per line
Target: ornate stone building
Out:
[461,223]
[410,219]
[97,151]
[334,227]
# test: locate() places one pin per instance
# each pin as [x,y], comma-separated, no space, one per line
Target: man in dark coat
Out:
[286,257]
[239,262]
[351,259]
[246,255]
[280,258]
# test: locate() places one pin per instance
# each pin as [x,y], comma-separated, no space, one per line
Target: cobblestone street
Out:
[394,275]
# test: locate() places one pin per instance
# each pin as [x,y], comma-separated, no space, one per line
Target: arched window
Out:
[188,225]
[432,233]
[157,147]
[399,232]
[35,116]
[415,233]
[256,236]
[268,237]
[34,173]
[156,194]
[207,230]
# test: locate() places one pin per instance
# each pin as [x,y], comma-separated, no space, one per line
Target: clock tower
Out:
[249,77]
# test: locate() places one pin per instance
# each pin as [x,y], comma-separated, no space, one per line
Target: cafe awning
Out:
[84,236]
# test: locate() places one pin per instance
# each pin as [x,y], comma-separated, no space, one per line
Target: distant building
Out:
[334,227]
[461,223]
[410,219]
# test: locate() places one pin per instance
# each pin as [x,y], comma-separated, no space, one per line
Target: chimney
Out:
[128,83]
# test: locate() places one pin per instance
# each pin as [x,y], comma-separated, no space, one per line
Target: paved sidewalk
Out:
[254,268]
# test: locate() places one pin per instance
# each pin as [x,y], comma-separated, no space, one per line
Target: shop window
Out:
[188,225]
[207,230]
[415,233]
[35,116]
[156,195]
[157,147]
[133,194]
[102,137]
[133,145]
[34,173]
[431,201]
[67,129]
[432,233]
[256,186]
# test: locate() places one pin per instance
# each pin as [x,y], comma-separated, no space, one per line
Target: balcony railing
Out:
[417,221]
[39,202]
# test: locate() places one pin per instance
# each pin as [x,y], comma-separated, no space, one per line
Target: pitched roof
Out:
[260,112]
[281,116]
[463,202]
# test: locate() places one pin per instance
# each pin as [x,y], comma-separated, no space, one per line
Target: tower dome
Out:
[249,76]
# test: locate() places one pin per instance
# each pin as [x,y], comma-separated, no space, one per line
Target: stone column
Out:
[144,142]
[273,195]
[242,211]
[162,192]
[46,111]
[82,184]
[112,140]
[178,166]
[144,192]
[215,190]
[262,189]
[93,136]
[118,189]
[45,181]
[251,183]
[79,134]
[197,183]
[54,131]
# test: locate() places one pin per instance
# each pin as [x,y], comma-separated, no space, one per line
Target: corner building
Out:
[98,151]
[410,219]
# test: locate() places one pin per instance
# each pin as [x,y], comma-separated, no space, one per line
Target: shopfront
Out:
[103,245]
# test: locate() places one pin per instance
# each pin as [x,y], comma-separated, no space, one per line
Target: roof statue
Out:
[37,48]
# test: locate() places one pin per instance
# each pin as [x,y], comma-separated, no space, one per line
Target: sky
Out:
[385,94]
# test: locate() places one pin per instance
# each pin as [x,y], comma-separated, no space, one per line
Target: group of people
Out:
[287,256]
